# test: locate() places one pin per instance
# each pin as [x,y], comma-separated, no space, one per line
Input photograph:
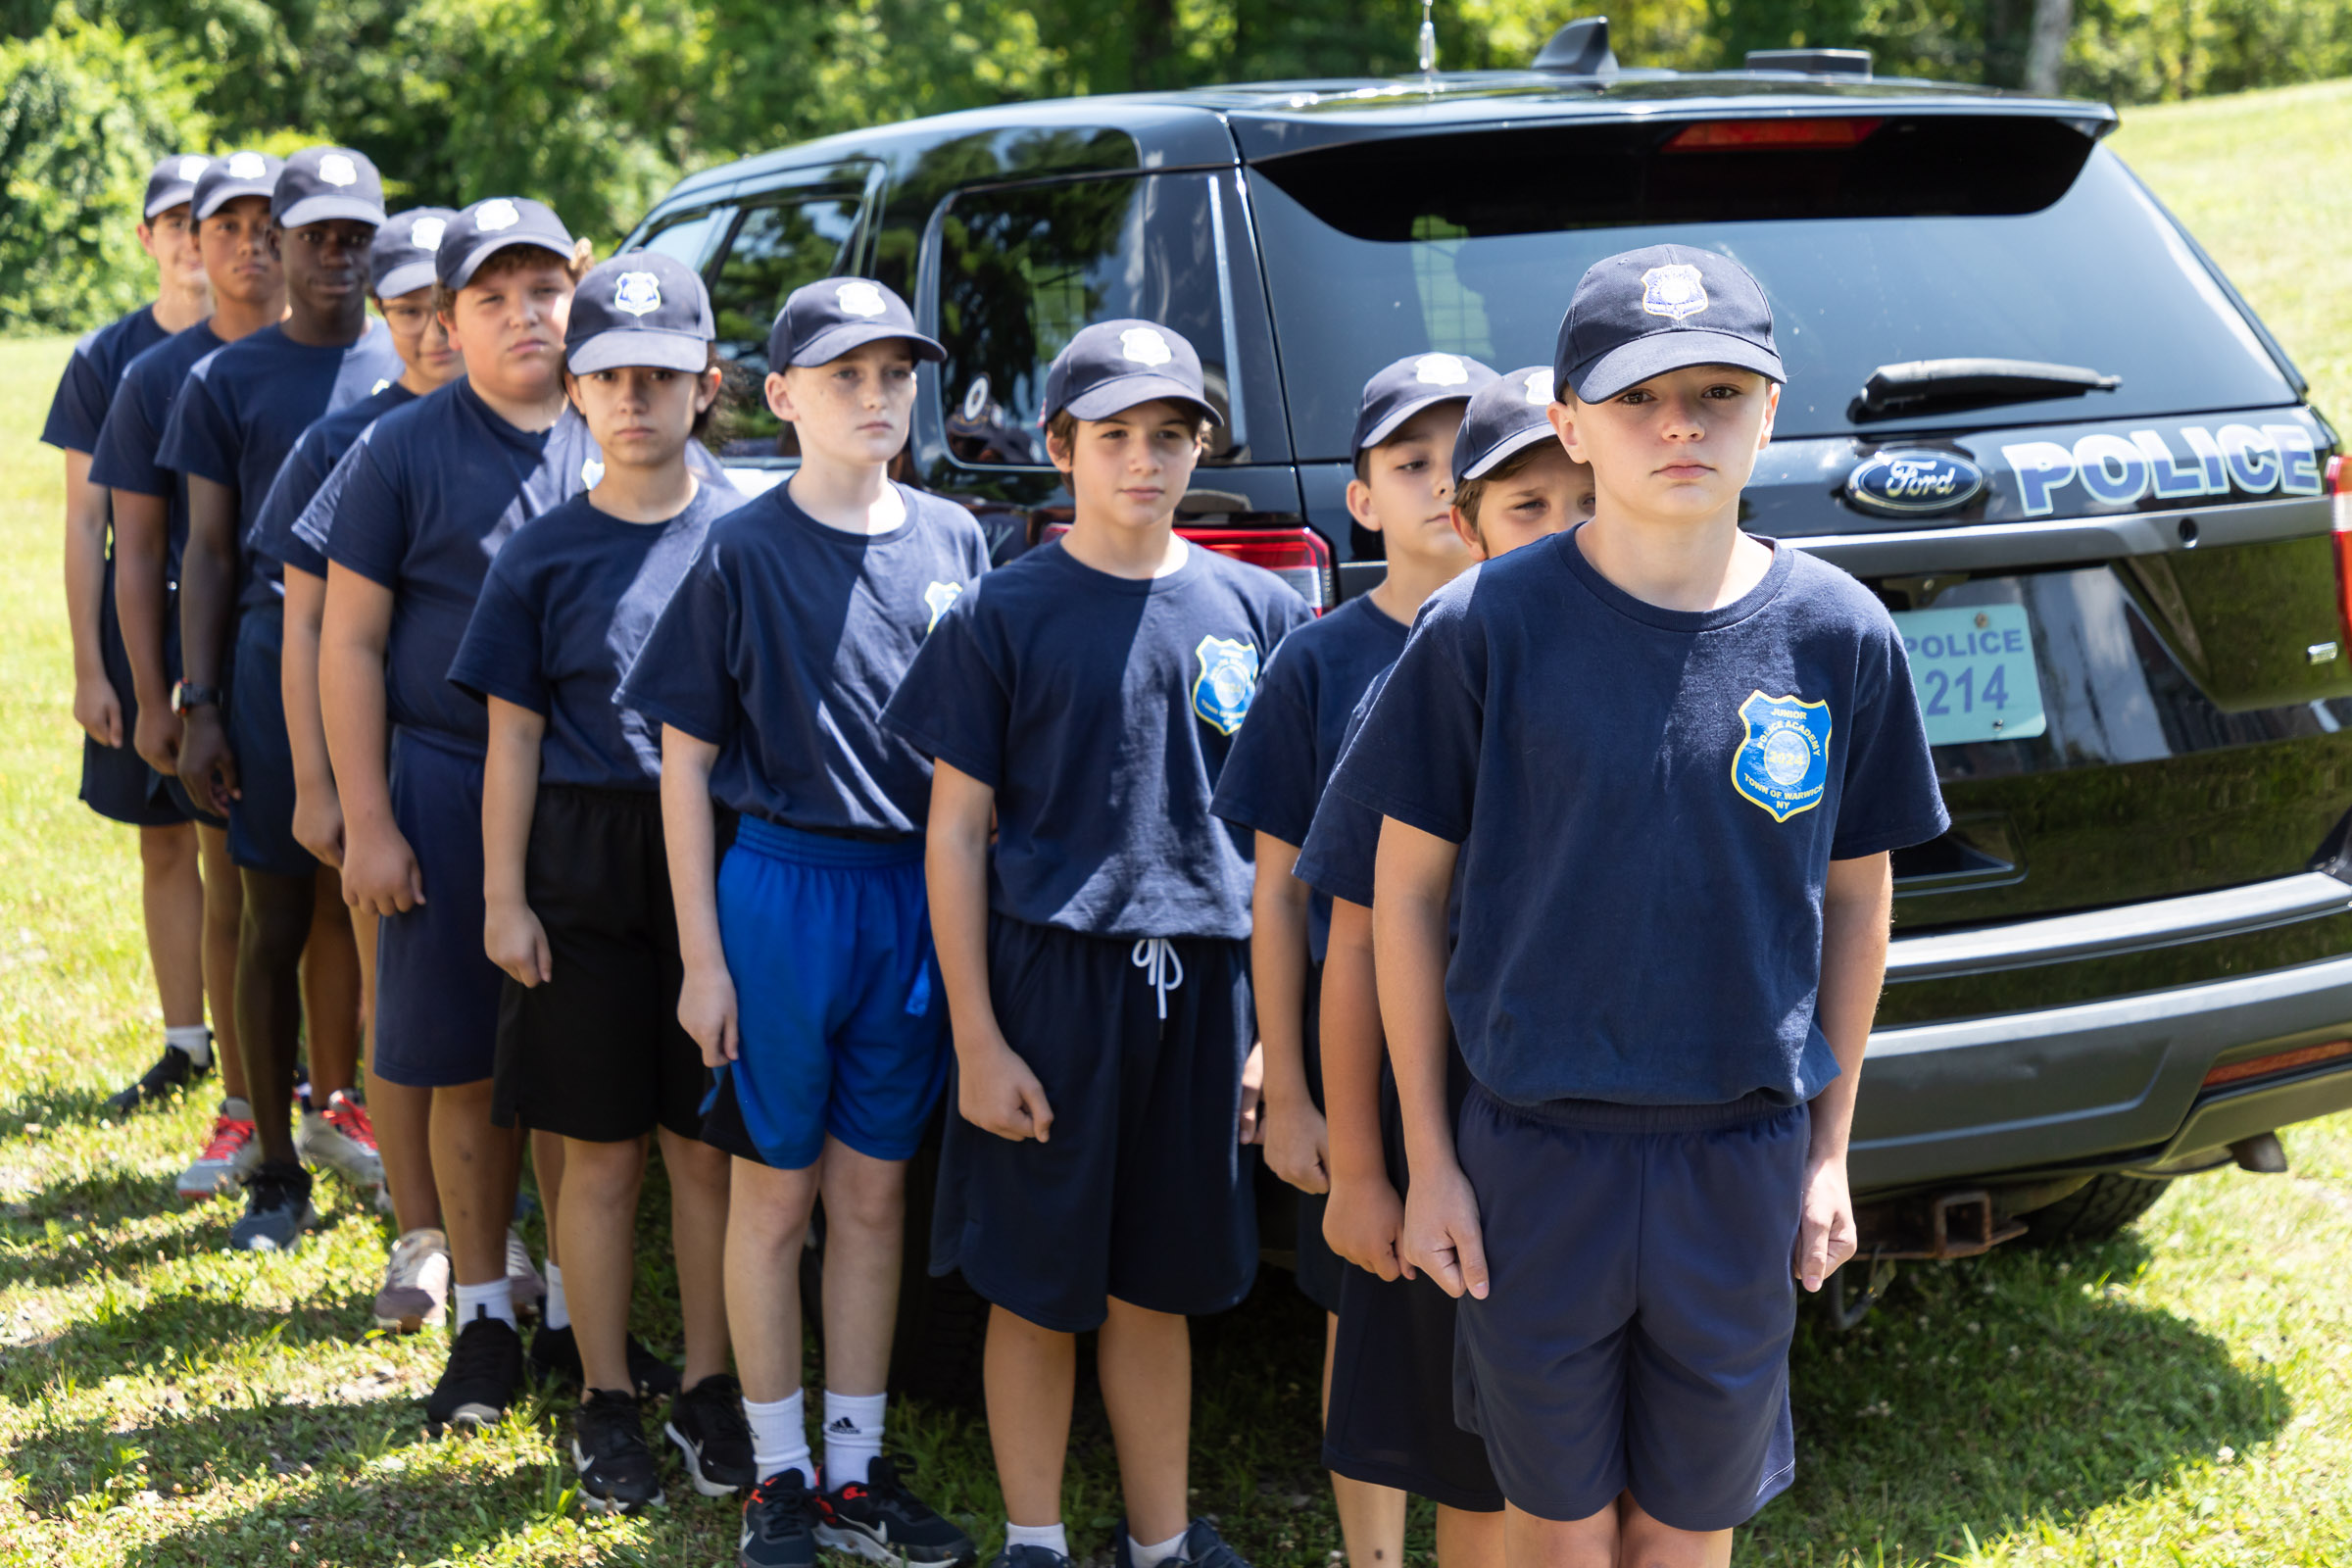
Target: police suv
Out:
[2024,406]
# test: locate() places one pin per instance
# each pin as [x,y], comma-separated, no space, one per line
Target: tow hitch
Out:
[1949,1225]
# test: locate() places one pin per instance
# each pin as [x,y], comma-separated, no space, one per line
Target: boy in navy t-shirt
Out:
[116,782]
[240,413]
[809,972]
[1669,989]
[1404,428]
[1084,699]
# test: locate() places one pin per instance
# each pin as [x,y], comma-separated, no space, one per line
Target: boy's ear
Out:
[708,392]
[779,396]
[1360,505]
[1772,408]
[1563,424]
[1468,530]
[1063,457]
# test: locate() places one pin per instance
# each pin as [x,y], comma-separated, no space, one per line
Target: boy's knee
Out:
[167,850]
[277,920]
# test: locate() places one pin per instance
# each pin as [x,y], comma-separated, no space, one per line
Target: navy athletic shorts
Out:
[1319,1268]
[1141,1193]
[261,820]
[597,1052]
[436,990]
[841,1019]
[1634,1337]
[116,781]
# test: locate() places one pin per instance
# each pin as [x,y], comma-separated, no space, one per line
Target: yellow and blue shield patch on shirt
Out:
[1784,764]
[1227,681]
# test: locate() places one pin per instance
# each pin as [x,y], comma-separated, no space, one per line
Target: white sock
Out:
[1054,1538]
[852,1436]
[780,1437]
[493,1300]
[1143,1557]
[236,1109]
[193,1040]
[552,1310]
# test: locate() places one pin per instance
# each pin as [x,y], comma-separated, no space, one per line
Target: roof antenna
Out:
[1429,47]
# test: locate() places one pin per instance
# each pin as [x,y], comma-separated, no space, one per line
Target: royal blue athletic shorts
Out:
[841,1022]
[1141,1192]
[116,781]
[261,820]
[436,990]
[1634,1337]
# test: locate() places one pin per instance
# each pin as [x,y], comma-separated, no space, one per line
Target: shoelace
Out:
[229,1137]
[350,1118]
[477,1354]
[784,1486]
[1162,970]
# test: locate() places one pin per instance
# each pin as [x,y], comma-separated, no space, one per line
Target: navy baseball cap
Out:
[1664,308]
[1403,390]
[821,322]
[639,309]
[489,226]
[224,179]
[1116,364]
[319,184]
[1506,416]
[401,259]
[173,181]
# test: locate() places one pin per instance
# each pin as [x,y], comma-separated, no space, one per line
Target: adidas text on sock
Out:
[852,1436]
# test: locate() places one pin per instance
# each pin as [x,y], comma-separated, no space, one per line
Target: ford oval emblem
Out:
[1910,481]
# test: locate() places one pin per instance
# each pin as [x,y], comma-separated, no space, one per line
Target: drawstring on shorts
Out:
[1162,970]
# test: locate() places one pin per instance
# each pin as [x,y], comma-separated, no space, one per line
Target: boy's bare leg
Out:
[767,1225]
[1031,1377]
[547,1165]
[171,900]
[403,1114]
[1145,1362]
[1643,1542]
[699,1180]
[475,1165]
[600,1253]
[1468,1539]
[1620,1536]
[223,913]
[330,991]
[1371,1518]
[866,1216]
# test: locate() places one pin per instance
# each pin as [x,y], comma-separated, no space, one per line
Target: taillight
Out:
[1298,556]
[2277,1061]
[1764,136]
[2339,485]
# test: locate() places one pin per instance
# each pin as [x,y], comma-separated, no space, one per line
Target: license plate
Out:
[1974,672]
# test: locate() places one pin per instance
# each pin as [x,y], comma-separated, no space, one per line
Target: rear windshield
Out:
[1926,238]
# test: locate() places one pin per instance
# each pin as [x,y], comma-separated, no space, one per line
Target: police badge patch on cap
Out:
[337,170]
[426,235]
[190,167]
[246,166]
[637,293]
[1539,385]
[860,298]
[1675,291]
[1145,346]
[1440,369]
[495,214]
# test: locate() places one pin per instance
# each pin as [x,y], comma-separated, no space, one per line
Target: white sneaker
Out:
[234,1149]
[341,1139]
[415,1291]
[528,1286]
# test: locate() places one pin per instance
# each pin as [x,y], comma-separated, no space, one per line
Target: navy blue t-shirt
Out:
[87,389]
[568,605]
[242,410]
[1284,755]
[133,433]
[783,645]
[1101,710]
[1336,858]
[1647,801]
[315,456]
[419,506]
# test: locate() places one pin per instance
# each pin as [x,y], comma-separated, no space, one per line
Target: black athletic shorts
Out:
[1319,1267]
[116,781]
[597,1053]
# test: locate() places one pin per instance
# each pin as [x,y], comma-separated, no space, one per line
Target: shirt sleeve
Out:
[1340,847]
[297,482]
[371,518]
[682,676]
[1889,799]
[956,702]
[501,653]
[1416,759]
[198,436]
[125,459]
[79,410]
[1268,781]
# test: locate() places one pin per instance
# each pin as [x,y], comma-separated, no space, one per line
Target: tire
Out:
[2095,1211]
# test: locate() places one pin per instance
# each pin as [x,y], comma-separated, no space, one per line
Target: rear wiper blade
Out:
[1917,385]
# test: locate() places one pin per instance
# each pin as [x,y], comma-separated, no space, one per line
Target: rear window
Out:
[1877,241]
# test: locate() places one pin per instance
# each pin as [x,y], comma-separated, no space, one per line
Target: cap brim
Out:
[653,347]
[1397,417]
[835,341]
[1516,442]
[405,278]
[224,194]
[1631,364]
[171,197]
[488,248]
[1107,398]
[326,209]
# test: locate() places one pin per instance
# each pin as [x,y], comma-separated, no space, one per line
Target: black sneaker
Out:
[707,1424]
[173,1073]
[277,1209]
[482,1377]
[881,1521]
[1203,1547]
[610,1450]
[555,1358]
[1029,1557]
[779,1520]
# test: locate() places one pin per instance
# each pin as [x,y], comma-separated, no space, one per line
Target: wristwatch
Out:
[185,696]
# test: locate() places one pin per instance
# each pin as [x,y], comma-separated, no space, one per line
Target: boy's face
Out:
[1406,493]
[170,239]
[421,337]
[510,328]
[240,252]
[853,409]
[642,416]
[1553,492]
[326,265]
[1679,447]
[1131,468]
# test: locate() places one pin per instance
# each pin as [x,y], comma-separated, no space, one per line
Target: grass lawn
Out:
[2181,1395]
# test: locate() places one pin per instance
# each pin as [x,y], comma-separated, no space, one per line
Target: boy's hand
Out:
[996,1093]
[1363,1222]
[707,1010]
[157,737]
[1298,1142]
[207,769]
[517,943]
[380,873]
[1440,1236]
[1250,1127]
[1827,1235]
[318,824]
[98,710]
